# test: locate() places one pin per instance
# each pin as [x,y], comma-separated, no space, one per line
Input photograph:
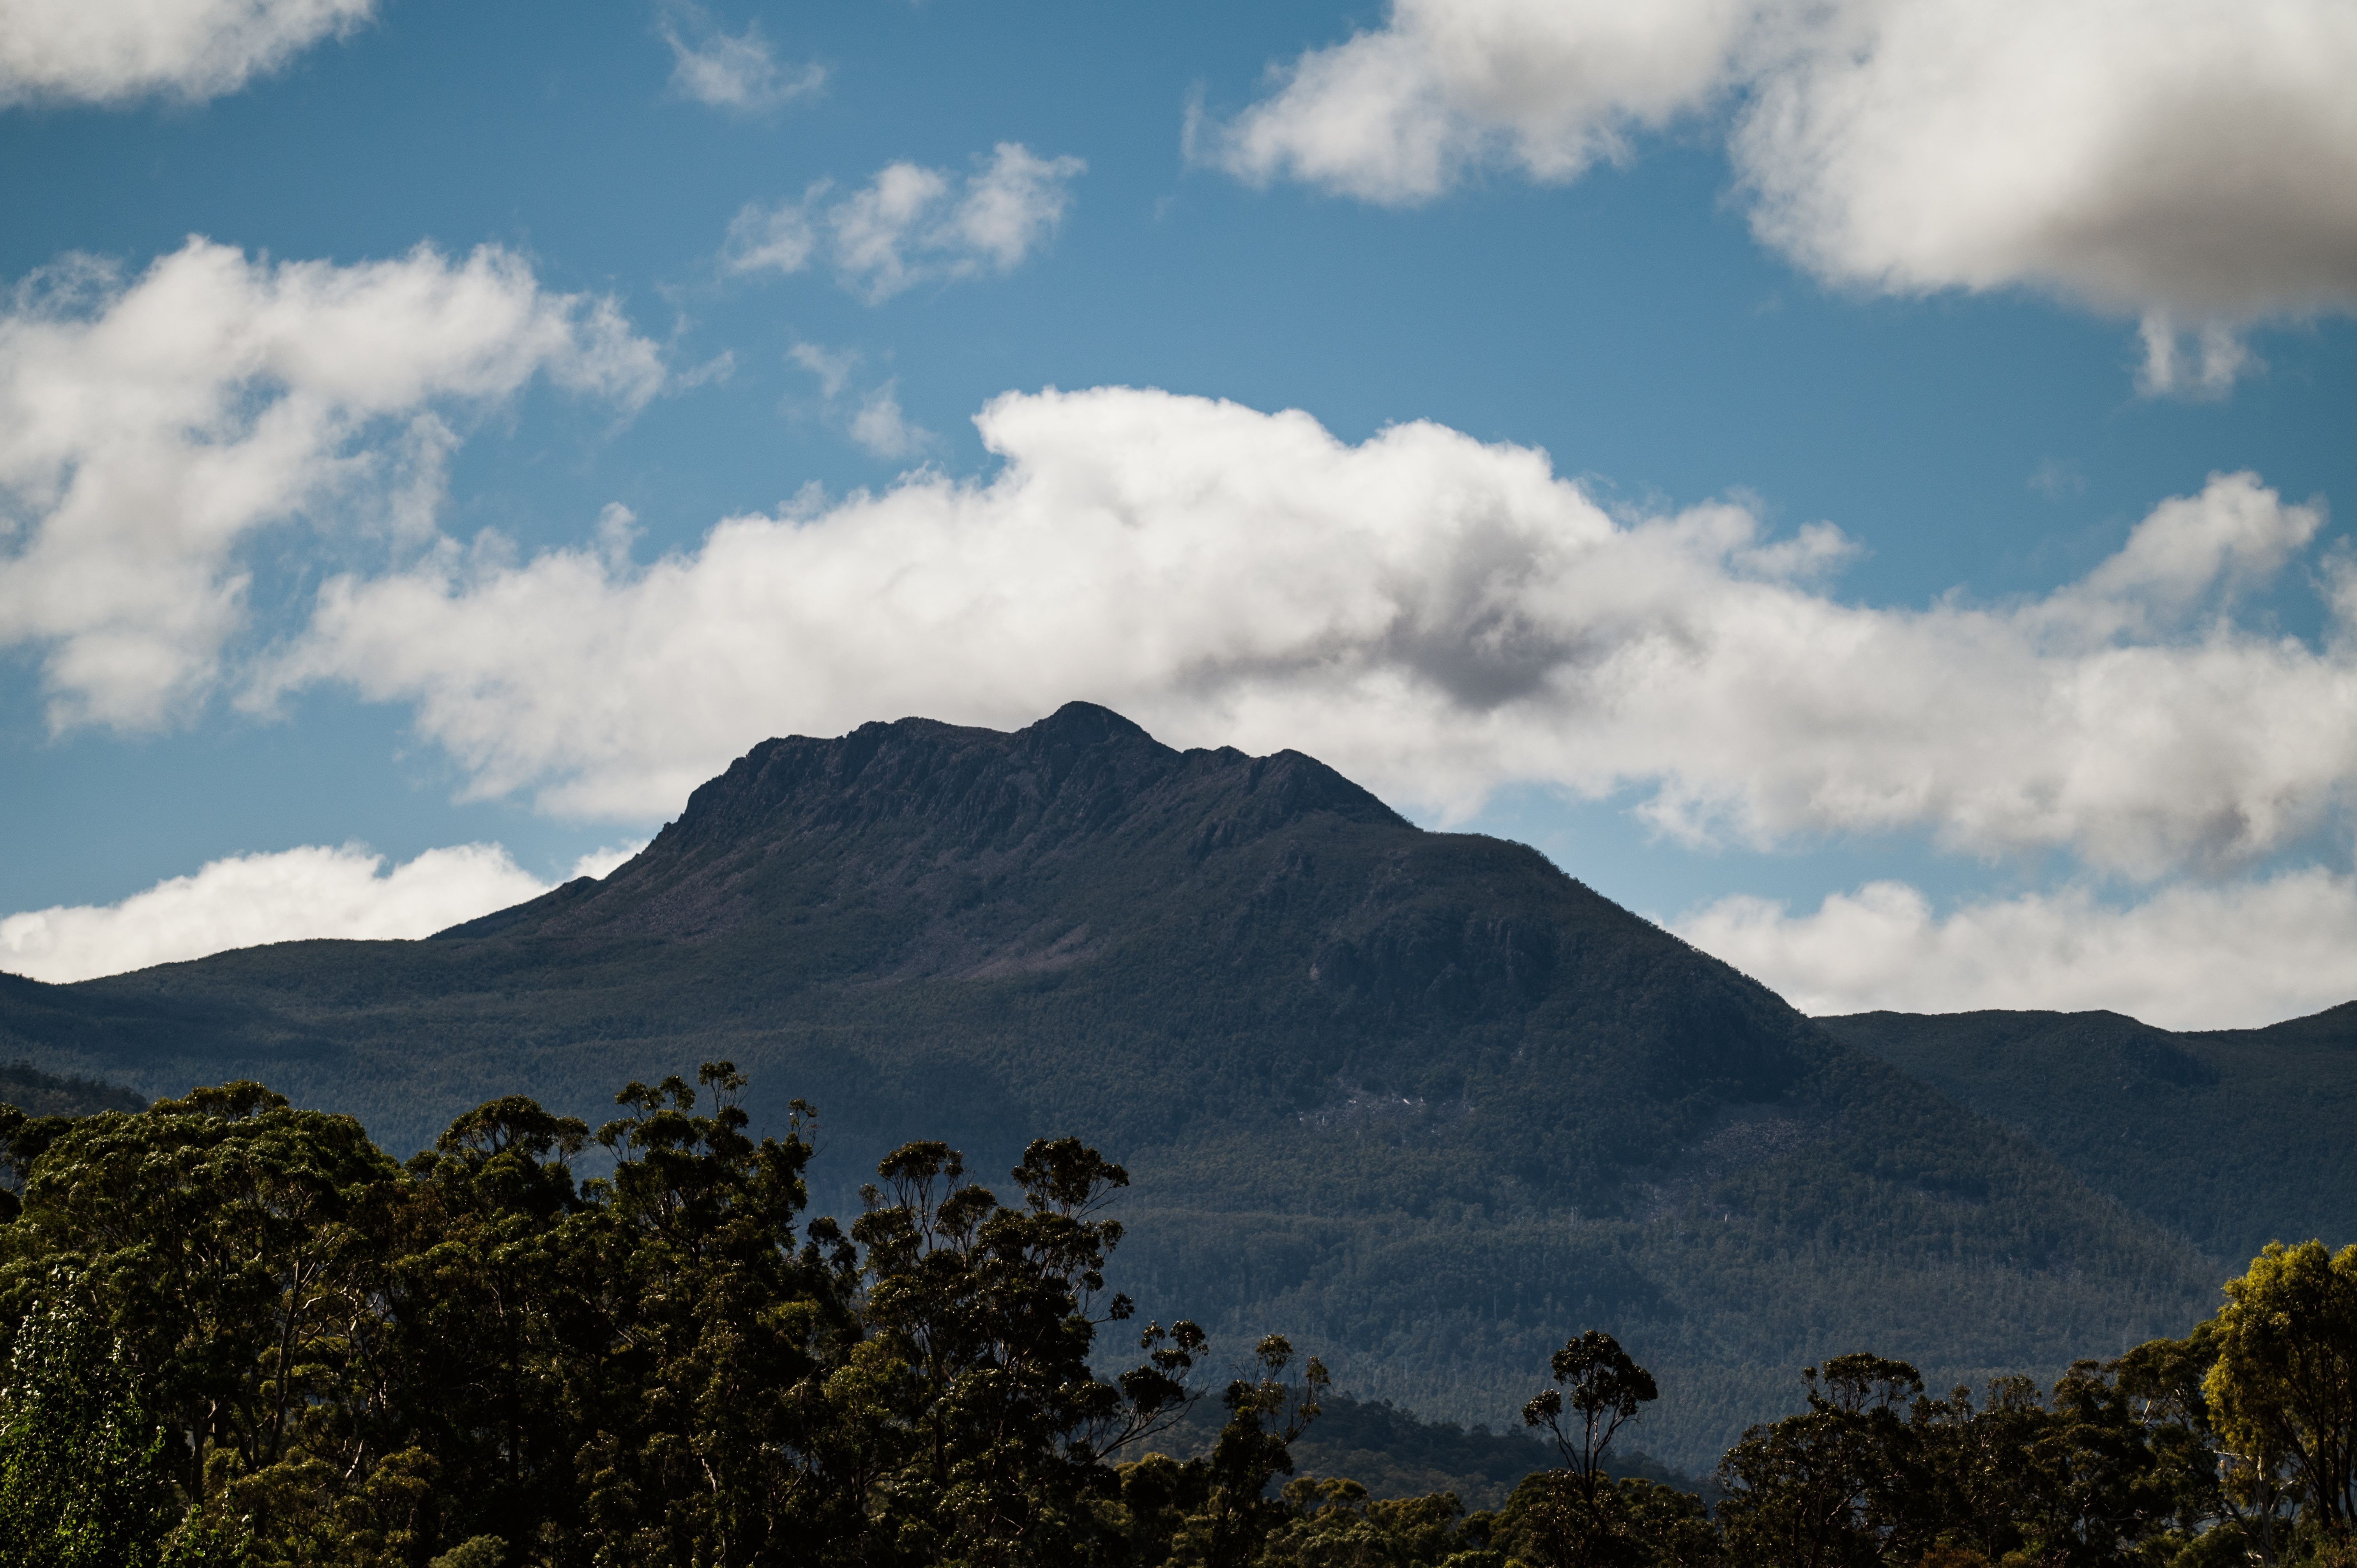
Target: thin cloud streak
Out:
[735,71]
[910,224]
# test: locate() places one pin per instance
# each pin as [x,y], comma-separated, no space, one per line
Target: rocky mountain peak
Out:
[899,805]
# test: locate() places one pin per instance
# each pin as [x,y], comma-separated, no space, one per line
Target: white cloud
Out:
[246,900]
[731,71]
[294,895]
[881,428]
[1009,208]
[1399,113]
[2238,955]
[2191,162]
[148,430]
[1434,616]
[772,239]
[912,224]
[114,51]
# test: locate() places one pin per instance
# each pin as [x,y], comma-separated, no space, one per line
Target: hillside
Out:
[38,1093]
[2231,1138]
[1419,1098]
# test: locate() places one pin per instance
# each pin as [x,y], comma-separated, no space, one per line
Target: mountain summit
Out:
[916,814]
[1419,1099]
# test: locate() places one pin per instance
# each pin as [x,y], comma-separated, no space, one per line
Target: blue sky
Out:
[305,549]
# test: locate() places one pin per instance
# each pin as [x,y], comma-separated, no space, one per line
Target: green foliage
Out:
[983,1419]
[475,1359]
[80,1482]
[1397,1455]
[238,1333]
[1630,1521]
[1577,1521]
[2282,1391]
[1335,1524]
[225,1235]
[1215,1510]
[477,1552]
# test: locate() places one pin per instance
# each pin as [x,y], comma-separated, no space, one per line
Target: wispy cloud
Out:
[833,367]
[882,429]
[737,71]
[912,224]
[2057,479]
[872,418]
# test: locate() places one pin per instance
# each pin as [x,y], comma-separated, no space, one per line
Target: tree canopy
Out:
[237,1332]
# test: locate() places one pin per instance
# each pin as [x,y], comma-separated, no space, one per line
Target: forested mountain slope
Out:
[1419,1098]
[2231,1138]
[38,1093]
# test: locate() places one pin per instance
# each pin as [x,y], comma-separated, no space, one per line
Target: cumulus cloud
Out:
[1435,616]
[2191,162]
[113,51]
[1399,113]
[2238,955]
[737,71]
[294,895]
[149,428]
[912,224]
[246,900]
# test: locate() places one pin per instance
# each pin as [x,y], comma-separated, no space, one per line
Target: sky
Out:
[1860,483]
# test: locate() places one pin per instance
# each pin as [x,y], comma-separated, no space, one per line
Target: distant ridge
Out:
[38,1093]
[2231,1138]
[1419,1099]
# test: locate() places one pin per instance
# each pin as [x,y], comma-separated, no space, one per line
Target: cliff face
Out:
[1419,1099]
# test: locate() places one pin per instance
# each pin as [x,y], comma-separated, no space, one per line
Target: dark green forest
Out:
[240,1333]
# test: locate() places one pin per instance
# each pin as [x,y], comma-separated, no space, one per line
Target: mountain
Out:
[1418,1100]
[2230,1138]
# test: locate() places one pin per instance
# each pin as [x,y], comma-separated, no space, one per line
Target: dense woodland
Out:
[240,1333]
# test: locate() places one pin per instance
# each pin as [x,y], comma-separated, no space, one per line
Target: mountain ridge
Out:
[1420,1099]
[2230,1138]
